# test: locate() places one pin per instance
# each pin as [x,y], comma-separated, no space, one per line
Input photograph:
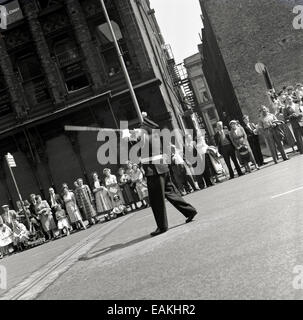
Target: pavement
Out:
[246,243]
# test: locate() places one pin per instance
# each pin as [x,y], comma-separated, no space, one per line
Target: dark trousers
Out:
[228,153]
[298,136]
[159,188]
[274,142]
[205,178]
[256,149]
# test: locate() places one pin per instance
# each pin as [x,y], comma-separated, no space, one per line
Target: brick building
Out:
[58,67]
[236,35]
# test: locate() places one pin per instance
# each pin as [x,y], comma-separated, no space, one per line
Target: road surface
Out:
[244,244]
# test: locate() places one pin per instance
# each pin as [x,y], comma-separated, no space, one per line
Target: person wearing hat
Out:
[159,181]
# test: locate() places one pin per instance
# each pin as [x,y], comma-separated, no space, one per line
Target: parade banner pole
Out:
[122,63]
[11,163]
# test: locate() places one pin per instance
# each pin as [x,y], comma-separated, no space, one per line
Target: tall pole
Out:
[122,63]
[16,186]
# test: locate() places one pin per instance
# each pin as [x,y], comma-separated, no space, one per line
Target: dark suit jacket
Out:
[219,142]
[249,131]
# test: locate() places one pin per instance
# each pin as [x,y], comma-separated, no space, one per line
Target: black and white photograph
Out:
[151,151]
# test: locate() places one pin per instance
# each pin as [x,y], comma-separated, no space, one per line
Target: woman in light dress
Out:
[44,213]
[137,178]
[239,139]
[72,208]
[113,187]
[102,197]
[6,239]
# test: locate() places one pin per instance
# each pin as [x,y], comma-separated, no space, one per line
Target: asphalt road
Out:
[244,244]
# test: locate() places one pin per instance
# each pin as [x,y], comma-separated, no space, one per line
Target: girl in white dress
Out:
[63,224]
[141,185]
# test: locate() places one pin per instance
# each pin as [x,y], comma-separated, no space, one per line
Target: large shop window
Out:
[33,80]
[108,50]
[69,60]
[5,102]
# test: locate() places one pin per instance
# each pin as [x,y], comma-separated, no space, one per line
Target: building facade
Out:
[205,103]
[58,66]
[238,34]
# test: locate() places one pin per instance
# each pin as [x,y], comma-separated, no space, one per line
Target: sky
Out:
[180,25]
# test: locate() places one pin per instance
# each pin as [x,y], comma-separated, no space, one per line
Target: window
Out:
[212,114]
[108,49]
[43,4]
[5,103]
[69,60]
[204,96]
[33,80]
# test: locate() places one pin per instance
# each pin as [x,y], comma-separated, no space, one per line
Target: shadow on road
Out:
[107,250]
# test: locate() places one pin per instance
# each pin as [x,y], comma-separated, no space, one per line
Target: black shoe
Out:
[189,219]
[157,232]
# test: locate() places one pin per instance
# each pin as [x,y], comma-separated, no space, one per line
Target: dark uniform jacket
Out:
[151,139]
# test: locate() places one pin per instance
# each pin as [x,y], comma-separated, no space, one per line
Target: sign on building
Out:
[11,161]
[10,12]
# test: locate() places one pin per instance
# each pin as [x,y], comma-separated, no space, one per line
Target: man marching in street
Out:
[159,181]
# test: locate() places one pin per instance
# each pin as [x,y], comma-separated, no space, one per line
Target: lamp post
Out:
[12,164]
[122,63]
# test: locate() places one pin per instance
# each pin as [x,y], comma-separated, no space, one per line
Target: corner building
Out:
[236,35]
[58,66]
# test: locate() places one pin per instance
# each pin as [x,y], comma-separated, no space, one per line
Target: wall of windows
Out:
[70,62]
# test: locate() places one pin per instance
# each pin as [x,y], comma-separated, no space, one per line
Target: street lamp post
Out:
[122,63]
[11,164]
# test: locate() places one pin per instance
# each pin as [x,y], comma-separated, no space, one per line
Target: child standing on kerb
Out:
[63,224]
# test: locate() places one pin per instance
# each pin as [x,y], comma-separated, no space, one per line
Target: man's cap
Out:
[5,206]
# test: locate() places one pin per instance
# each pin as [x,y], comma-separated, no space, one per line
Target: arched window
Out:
[33,80]
[107,47]
[69,61]
[5,102]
